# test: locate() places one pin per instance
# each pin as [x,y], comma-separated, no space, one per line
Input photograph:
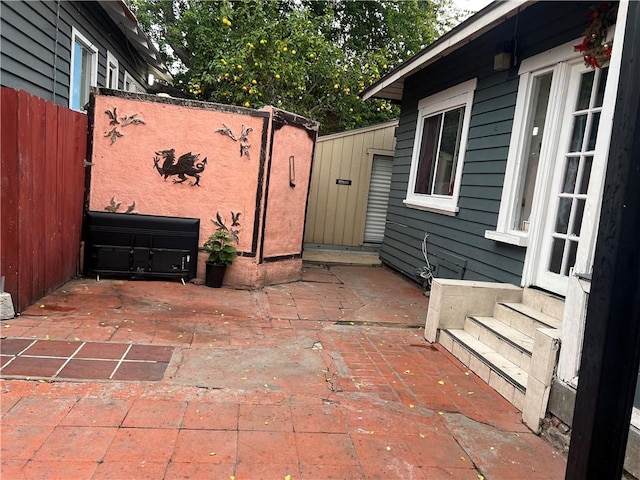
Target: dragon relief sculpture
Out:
[186,164]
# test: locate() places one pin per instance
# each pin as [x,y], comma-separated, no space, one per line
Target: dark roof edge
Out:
[481,22]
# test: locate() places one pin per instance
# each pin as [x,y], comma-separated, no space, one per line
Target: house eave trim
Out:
[391,86]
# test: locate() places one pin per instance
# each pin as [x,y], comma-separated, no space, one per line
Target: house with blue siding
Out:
[58,50]
[499,166]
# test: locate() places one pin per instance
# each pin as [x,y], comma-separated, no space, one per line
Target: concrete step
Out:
[545,302]
[524,318]
[504,376]
[512,344]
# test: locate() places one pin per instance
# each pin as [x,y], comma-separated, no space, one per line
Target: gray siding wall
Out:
[459,240]
[30,58]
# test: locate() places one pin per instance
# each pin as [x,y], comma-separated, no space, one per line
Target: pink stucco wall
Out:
[124,172]
[286,204]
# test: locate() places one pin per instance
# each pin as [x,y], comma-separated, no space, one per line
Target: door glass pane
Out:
[428,151]
[571,257]
[448,154]
[577,220]
[570,175]
[535,132]
[579,124]
[562,219]
[584,94]
[586,174]
[593,131]
[602,81]
[557,250]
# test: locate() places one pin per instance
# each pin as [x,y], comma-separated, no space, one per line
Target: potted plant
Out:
[222,253]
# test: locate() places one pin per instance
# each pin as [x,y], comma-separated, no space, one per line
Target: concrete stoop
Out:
[508,336]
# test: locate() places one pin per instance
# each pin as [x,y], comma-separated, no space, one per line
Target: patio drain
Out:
[64,360]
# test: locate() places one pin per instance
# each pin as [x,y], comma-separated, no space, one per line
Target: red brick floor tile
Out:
[132,335]
[38,411]
[318,418]
[265,417]
[211,416]
[263,447]
[283,311]
[52,348]
[7,404]
[138,470]
[156,353]
[205,446]
[88,369]
[53,470]
[5,359]
[199,471]
[437,473]
[326,449]
[12,468]
[13,346]
[386,456]
[436,449]
[332,472]
[271,471]
[155,414]
[19,442]
[137,445]
[281,323]
[141,371]
[163,338]
[98,412]
[493,451]
[33,367]
[17,330]
[102,350]
[76,444]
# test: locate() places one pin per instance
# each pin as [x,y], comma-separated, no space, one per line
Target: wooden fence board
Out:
[9,190]
[43,148]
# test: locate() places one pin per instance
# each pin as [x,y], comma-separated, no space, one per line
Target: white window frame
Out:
[112,66]
[93,80]
[137,88]
[458,96]
[556,60]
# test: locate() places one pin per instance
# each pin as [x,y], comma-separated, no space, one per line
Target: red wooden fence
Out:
[41,194]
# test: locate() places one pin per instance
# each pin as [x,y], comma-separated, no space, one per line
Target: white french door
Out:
[562,220]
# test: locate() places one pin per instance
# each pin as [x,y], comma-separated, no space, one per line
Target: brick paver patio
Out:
[325,378]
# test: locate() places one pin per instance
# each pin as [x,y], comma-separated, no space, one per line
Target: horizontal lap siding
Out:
[485,160]
[28,33]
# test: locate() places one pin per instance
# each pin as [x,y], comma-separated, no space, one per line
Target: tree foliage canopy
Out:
[310,57]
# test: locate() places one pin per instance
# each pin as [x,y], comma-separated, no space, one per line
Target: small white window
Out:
[439,148]
[84,70]
[130,85]
[112,71]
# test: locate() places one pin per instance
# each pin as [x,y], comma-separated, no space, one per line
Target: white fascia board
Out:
[494,14]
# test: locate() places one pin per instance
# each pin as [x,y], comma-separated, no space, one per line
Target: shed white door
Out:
[378,198]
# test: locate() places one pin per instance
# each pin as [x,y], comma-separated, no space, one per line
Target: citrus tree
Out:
[308,57]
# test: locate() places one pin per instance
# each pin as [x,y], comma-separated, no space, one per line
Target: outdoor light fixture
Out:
[503,57]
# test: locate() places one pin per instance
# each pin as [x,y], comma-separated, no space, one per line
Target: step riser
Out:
[504,348]
[517,320]
[543,302]
[512,394]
